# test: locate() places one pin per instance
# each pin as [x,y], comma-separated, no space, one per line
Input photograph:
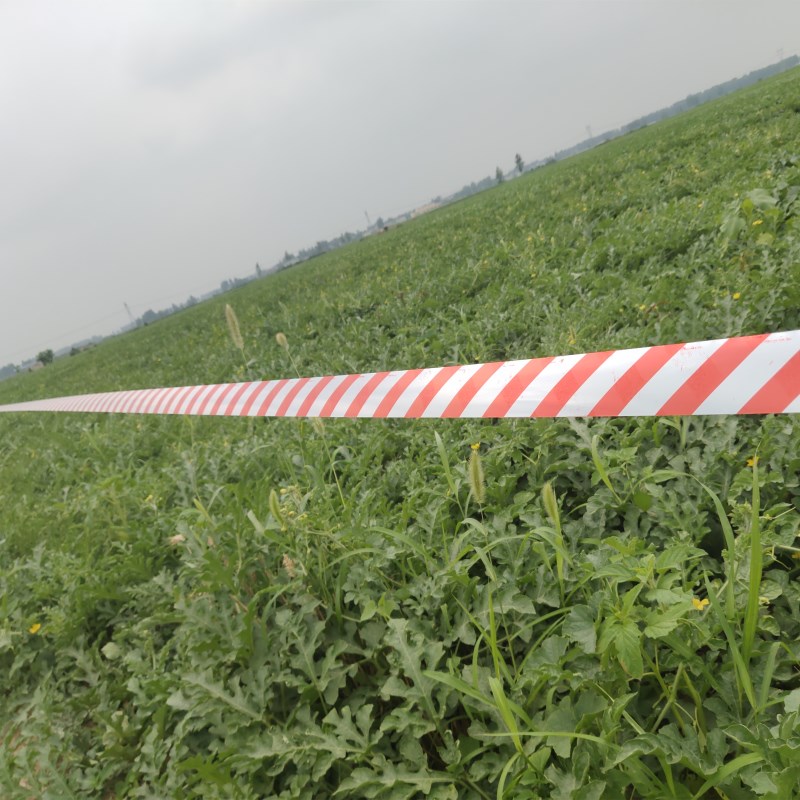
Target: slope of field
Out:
[392,609]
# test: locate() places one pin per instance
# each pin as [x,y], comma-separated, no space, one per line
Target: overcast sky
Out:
[150,149]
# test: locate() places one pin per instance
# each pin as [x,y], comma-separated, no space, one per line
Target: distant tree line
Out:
[692,101]
[150,316]
[689,102]
[322,246]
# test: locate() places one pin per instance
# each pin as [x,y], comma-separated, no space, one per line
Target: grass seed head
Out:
[282,341]
[477,480]
[289,566]
[275,508]
[550,503]
[233,327]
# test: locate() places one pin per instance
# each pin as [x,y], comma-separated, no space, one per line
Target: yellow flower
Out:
[35,628]
[736,295]
[751,462]
[757,222]
[642,307]
[700,604]
[572,338]
[476,446]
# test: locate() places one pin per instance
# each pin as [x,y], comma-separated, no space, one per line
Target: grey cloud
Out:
[153,149]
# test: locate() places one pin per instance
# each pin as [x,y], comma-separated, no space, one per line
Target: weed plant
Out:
[234,608]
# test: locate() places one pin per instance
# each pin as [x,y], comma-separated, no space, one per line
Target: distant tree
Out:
[519,162]
[379,223]
[74,351]
[498,175]
[259,271]
[46,357]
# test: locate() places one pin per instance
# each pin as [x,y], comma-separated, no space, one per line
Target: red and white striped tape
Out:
[742,375]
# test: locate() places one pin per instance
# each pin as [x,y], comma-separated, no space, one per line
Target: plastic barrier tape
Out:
[742,375]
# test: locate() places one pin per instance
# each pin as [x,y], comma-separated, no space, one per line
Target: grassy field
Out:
[585,609]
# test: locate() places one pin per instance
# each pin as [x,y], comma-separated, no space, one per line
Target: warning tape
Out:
[741,375]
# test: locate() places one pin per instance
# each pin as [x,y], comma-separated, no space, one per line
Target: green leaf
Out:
[642,500]
[660,622]
[677,555]
[415,657]
[628,641]
[761,199]
[579,627]
[791,702]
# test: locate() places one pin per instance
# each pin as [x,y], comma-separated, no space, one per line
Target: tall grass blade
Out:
[754,585]
[740,666]
[725,772]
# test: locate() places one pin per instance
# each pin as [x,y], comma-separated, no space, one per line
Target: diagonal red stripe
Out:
[635,377]
[134,400]
[176,401]
[104,400]
[362,397]
[197,402]
[706,378]
[187,399]
[575,377]
[85,402]
[510,393]
[470,389]
[208,401]
[231,404]
[266,402]
[168,396]
[778,392]
[119,401]
[290,395]
[144,401]
[248,404]
[393,395]
[313,395]
[222,401]
[179,393]
[337,395]
[429,391]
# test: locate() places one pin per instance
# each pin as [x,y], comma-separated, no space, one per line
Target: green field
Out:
[241,608]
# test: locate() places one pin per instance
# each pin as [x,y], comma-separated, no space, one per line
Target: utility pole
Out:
[133,322]
[369,224]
